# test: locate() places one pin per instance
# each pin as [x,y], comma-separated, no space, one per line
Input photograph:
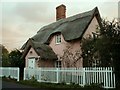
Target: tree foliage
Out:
[12,59]
[106,46]
[16,61]
[4,56]
[15,58]
[70,58]
[90,52]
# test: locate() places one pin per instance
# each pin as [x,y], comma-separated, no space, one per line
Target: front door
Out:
[31,63]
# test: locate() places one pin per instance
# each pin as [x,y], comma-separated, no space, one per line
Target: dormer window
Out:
[58,39]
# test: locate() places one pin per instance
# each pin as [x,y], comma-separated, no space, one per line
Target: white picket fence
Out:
[13,72]
[81,76]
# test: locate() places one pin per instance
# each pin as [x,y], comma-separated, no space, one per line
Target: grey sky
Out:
[22,20]
[119,10]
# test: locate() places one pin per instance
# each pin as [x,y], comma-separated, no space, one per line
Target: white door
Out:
[31,63]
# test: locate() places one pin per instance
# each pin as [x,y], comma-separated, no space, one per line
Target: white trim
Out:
[58,36]
[32,64]
[58,64]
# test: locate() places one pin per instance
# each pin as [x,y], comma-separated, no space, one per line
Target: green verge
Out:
[71,86]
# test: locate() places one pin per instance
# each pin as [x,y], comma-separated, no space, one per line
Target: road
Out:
[4,85]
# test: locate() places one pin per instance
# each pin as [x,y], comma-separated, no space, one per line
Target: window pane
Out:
[58,39]
[58,64]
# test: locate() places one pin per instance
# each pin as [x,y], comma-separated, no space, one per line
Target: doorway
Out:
[31,63]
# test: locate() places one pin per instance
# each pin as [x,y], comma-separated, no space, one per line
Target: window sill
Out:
[57,43]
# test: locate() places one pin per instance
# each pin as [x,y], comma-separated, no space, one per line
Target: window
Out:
[96,63]
[58,39]
[30,52]
[58,64]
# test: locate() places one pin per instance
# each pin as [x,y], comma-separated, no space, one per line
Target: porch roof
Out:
[44,51]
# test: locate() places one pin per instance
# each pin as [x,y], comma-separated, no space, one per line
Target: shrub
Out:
[93,87]
[33,79]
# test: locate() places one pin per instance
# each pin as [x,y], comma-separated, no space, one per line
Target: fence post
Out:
[18,74]
[1,74]
[106,77]
[83,76]
[24,73]
[114,80]
[57,71]
[9,71]
[40,74]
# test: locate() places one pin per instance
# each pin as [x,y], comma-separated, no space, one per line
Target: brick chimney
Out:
[60,12]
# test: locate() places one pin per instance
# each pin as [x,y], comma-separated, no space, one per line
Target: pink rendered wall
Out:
[33,54]
[46,63]
[92,28]
[40,63]
[75,45]
[58,48]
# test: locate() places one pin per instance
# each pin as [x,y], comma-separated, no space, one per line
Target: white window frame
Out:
[58,64]
[58,39]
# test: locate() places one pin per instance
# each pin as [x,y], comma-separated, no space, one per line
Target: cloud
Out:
[109,10]
[0,23]
[18,25]
[35,12]
[16,32]
[119,10]
[22,20]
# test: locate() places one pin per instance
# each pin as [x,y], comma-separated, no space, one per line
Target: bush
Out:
[93,87]
[8,78]
[33,79]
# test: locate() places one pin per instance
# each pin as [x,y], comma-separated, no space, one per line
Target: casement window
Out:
[96,63]
[58,39]
[58,64]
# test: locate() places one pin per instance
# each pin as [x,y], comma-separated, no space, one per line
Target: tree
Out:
[97,52]
[107,47]
[90,53]
[71,59]
[4,56]
[16,61]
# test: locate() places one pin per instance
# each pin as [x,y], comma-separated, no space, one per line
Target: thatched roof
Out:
[71,28]
[44,51]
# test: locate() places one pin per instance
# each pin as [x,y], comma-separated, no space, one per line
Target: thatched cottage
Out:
[59,43]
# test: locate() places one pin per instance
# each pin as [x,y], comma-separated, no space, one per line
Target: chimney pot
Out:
[60,12]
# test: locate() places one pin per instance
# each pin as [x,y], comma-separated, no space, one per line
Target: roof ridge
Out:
[68,27]
[68,19]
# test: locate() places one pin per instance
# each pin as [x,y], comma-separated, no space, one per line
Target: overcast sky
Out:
[21,20]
